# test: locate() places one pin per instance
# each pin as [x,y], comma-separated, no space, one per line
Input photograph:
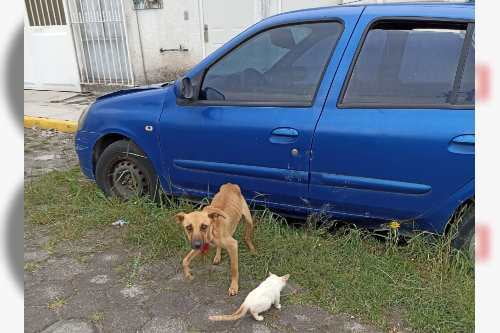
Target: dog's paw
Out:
[233,291]
[278,306]
[251,248]
[217,260]
[259,318]
[189,276]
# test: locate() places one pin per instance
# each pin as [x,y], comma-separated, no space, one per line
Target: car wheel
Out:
[465,235]
[124,171]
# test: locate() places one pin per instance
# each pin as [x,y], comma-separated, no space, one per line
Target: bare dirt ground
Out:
[47,150]
[87,285]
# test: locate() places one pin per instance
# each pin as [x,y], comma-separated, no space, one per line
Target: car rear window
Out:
[409,64]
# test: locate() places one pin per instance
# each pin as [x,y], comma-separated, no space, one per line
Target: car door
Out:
[253,115]
[397,138]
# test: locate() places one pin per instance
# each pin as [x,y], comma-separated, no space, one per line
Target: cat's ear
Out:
[285,277]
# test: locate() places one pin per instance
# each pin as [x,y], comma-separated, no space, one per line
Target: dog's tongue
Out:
[205,247]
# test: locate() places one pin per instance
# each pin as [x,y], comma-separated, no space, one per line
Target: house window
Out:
[45,12]
[148,4]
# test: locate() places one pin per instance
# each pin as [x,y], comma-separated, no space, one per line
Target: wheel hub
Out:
[128,180]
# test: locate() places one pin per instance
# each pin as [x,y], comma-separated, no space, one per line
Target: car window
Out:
[283,64]
[406,64]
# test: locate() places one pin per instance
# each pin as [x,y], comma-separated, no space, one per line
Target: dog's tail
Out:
[242,310]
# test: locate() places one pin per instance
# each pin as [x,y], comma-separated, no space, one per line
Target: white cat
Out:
[260,299]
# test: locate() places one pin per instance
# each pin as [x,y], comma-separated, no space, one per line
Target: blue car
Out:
[364,113]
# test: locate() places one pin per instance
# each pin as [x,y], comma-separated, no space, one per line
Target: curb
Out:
[67,126]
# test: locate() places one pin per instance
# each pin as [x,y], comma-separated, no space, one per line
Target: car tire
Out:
[465,235]
[123,170]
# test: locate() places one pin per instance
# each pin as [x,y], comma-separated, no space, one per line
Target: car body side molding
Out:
[244,170]
[373,184]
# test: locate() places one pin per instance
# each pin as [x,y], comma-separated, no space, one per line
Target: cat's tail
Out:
[242,310]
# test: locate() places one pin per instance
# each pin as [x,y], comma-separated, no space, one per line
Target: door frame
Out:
[201,13]
[348,17]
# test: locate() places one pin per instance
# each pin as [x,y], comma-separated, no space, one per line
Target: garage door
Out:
[49,54]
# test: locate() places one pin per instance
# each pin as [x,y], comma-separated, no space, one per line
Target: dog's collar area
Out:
[204,248]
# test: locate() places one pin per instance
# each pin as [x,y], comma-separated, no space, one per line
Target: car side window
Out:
[407,64]
[283,64]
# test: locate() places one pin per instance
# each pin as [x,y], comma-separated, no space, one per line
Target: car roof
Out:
[438,6]
[460,10]
[410,3]
[363,3]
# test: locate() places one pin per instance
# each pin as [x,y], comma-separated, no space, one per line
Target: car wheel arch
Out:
[458,213]
[102,143]
[109,138]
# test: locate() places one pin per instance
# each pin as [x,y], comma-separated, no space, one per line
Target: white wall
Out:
[289,5]
[166,28]
[163,28]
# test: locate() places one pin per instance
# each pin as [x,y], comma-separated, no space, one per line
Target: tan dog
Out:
[215,225]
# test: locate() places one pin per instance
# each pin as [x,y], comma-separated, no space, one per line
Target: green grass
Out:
[426,283]
[31,267]
[97,317]
[56,304]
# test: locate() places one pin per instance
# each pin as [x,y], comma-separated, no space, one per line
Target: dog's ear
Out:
[285,277]
[271,274]
[214,213]
[179,218]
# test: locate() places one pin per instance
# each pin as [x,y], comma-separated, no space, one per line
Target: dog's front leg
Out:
[231,246]
[217,256]
[186,261]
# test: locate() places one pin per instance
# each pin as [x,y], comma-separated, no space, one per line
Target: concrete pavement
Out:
[54,109]
[55,104]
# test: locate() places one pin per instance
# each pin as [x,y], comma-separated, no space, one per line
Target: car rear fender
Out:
[437,218]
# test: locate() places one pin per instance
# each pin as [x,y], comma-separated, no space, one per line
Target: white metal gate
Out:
[49,52]
[100,36]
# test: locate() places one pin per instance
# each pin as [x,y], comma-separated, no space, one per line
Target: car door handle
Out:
[467,139]
[463,144]
[284,135]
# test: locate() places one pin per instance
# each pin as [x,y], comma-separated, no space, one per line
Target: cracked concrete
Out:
[95,296]
[99,279]
[64,293]
[72,325]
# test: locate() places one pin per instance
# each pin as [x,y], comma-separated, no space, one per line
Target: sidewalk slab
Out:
[56,105]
